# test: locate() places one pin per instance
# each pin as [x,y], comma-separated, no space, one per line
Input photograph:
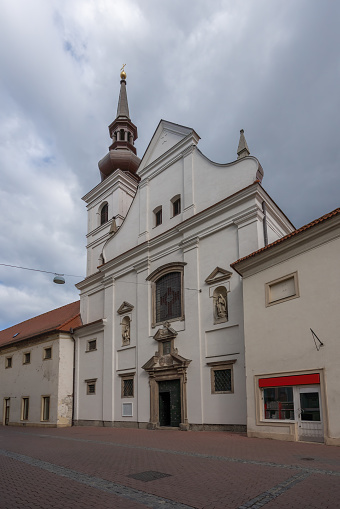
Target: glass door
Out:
[309,414]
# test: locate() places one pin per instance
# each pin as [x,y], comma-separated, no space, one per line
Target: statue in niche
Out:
[126,331]
[221,306]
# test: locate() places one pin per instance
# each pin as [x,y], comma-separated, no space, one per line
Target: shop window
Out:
[45,408]
[27,358]
[278,403]
[47,353]
[167,293]
[282,289]
[104,214]
[24,408]
[8,362]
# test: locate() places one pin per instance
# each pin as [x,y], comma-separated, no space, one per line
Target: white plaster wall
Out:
[89,366]
[278,338]
[65,381]
[39,378]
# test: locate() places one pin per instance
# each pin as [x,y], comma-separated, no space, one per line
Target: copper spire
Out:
[122,153]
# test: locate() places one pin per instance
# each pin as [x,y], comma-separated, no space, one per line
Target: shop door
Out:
[169,403]
[309,415]
[7,406]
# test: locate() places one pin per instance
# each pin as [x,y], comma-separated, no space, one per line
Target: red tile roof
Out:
[61,319]
[292,234]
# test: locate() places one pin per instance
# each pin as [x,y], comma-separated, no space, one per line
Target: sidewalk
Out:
[84,467]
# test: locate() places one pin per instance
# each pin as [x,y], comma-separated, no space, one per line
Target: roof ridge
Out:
[67,321]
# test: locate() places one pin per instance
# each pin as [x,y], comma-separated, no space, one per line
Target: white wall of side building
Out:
[279,341]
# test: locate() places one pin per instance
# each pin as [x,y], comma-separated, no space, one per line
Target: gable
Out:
[166,136]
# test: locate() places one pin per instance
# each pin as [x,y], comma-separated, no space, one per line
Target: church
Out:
[162,337]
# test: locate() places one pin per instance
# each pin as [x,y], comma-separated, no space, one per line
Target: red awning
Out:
[284,381]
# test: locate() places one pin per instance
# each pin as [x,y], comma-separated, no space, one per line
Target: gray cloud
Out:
[271,68]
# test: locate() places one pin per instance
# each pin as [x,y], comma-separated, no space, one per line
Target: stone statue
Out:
[221,306]
[126,333]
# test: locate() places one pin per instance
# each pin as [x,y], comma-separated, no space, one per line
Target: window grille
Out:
[92,345]
[128,387]
[168,297]
[222,379]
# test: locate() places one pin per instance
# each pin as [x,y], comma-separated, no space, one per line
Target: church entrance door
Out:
[169,403]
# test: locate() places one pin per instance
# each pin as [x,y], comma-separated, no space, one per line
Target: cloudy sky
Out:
[269,67]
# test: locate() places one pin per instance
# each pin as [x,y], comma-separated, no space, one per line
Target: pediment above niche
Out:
[126,307]
[166,363]
[218,275]
[166,333]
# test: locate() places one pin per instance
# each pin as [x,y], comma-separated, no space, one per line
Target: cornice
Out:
[305,240]
[175,153]
[116,179]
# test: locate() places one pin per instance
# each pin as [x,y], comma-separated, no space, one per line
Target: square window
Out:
[127,410]
[27,358]
[92,345]
[222,379]
[127,387]
[24,409]
[8,362]
[91,386]
[45,408]
[48,353]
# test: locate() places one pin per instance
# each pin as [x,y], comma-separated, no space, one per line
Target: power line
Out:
[38,270]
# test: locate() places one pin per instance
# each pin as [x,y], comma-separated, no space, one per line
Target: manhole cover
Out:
[308,459]
[150,475]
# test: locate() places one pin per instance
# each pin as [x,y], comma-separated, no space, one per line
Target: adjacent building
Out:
[36,369]
[291,293]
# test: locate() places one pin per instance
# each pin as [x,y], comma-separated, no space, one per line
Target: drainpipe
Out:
[73,374]
[265,228]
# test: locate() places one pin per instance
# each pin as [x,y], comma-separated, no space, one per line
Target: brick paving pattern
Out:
[108,467]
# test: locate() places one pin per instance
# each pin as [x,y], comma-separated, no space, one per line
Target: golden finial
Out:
[123,73]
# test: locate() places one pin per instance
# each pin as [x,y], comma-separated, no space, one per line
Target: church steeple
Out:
[122,153]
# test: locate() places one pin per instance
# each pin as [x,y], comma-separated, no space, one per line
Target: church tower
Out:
[109,201]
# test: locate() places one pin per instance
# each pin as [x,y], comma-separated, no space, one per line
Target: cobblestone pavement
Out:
[88,467]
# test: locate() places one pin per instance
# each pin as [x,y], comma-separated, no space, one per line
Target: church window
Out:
[167,293]
[91,386]
[158,216]
[91,345]
[222,379]
[168,297]
[176,205]
[127,387]
[104,214]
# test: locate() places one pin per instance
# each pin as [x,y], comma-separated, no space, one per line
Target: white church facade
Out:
[162,340]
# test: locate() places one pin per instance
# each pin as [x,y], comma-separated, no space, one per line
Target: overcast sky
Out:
[269,67]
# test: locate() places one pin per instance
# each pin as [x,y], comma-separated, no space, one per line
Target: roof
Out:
[61,319]
[290,235]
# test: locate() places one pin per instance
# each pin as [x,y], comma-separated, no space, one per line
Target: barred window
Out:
[168,297]
[127,388]
[222,378]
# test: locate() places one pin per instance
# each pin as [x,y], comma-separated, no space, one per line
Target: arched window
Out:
[104,214]
[167,293]
[176,205]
